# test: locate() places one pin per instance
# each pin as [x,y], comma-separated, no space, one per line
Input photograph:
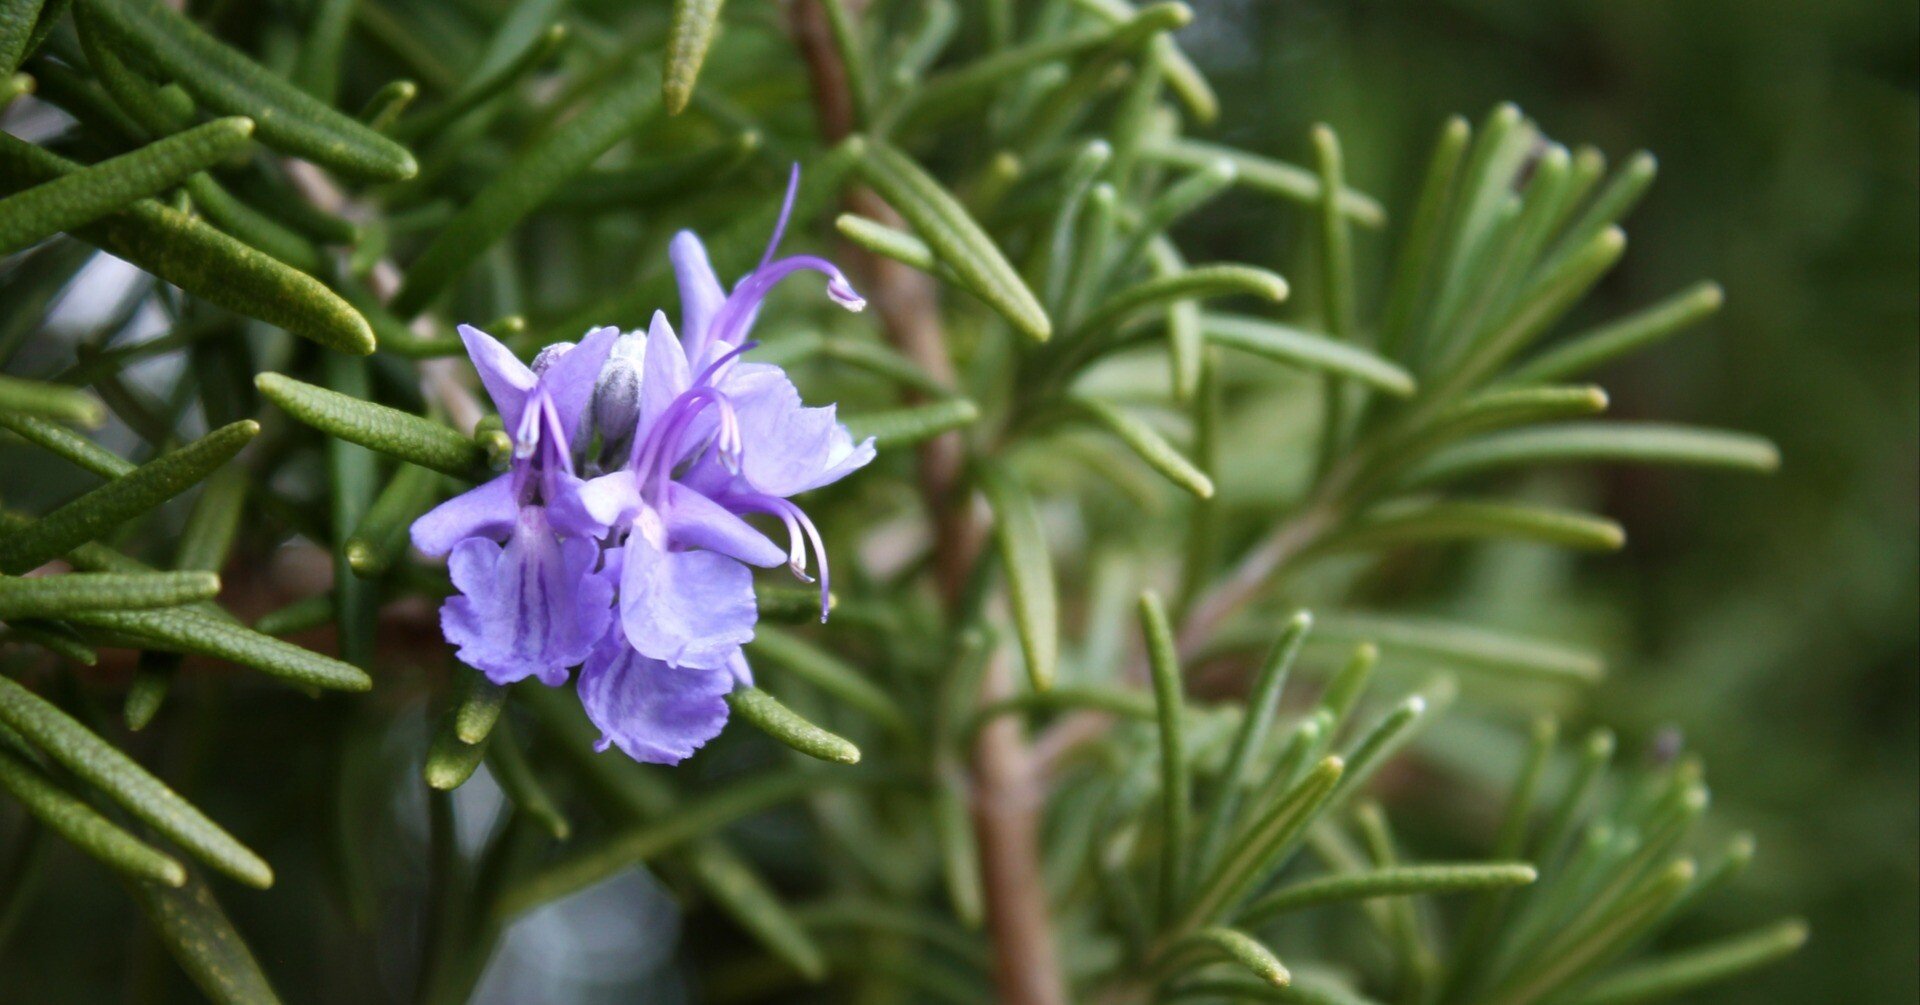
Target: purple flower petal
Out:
[530,609]
[664,373]
[689,608]
[742,673]
[698,522]
[654,712]
[788,447]
[610,500]
[568,511]
[488,511]
[507,380]
[700,291]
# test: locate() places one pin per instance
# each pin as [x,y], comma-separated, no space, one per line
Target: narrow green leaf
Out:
[959,852]
[388,430]
[1464,646]
[127,783]
[1489,911]
[84,828]
[886,241]
[58,439]
[1336,292]
[1241,948]
[945,225]
[646,841]
[688,38]
[1264,844]
[1089,269]
[481,702]
[75,200]
[1052,260]
[1197,283]
[1417,263]
[36,399]
[730,880]
[153,34]
[1672,976]
[299,616]
[122,499]
[1464,520]
[1591,442]
[1148,445]
[215,519]
[1183,78]
[194,632]
[450,760]
[924,42]
[1126,703]
[196,931]
[1298,347]
[1265,175]
[901,426]
[1371,750]
[381,536]
[55,638]
[522,785]
[1023,551]
[1174,204]
[201,260]
[1544,301]
[1495,409]
[955,91]
[536,49]
[58,596]
[1176,778]
[17,18]
[539,171]
[387,104]
[1263,704]
[1650,325]
[1582,947]
[769,716]
[1612,204]
[838,678]
[1400,881]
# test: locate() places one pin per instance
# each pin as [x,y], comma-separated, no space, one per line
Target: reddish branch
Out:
[1007,795]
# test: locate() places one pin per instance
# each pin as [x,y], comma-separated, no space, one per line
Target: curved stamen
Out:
[662,451]
[793,516]
[786,212]
[746,297]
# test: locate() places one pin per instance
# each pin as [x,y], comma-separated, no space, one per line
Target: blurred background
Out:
[1772,625]
[1769,622]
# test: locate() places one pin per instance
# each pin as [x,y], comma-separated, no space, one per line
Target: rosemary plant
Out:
[1112,705]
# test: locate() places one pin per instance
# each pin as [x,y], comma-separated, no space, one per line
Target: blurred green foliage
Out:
[1776,623]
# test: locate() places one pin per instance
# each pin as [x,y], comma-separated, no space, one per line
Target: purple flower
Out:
[530,603]
[640,572]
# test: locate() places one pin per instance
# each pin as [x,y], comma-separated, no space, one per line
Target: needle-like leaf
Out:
[201,260]
[122,499]
[75,200]
[1023,551]
[768,715]
[116,775]
[939,219]
[388,430]
[85,828]
[154,34]
[58,596]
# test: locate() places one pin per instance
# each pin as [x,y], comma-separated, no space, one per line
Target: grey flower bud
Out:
[616,398]
[548,356]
